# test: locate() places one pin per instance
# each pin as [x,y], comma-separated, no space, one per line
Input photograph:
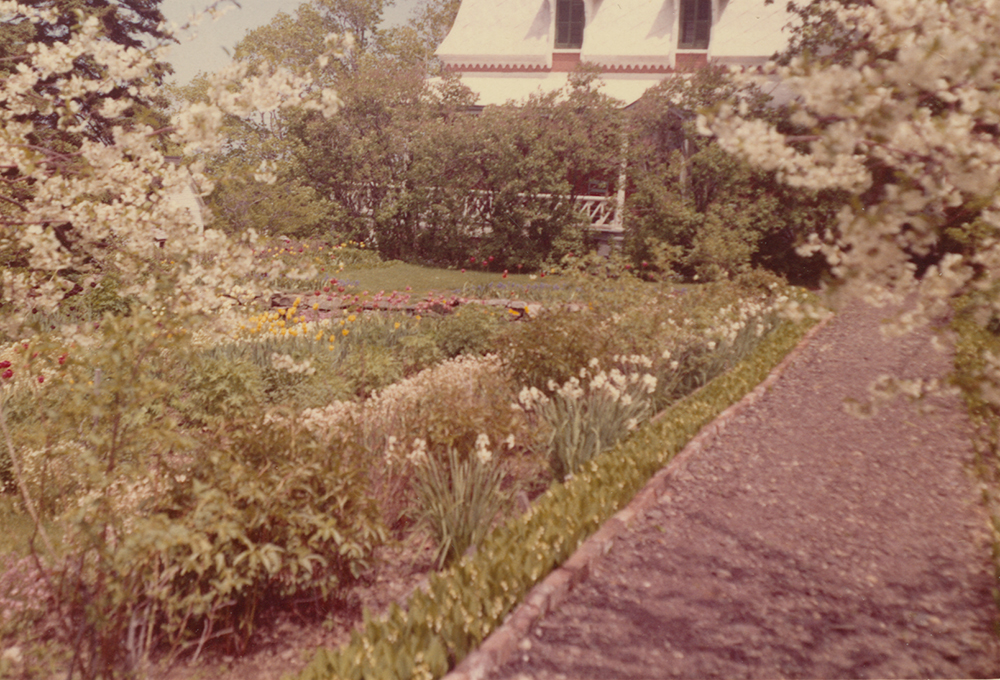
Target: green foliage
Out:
[224,388]
[720,216]
[287,207]
[554,345]
[457,498]
[272,516]
[472,329]
[460,607]
[587,418]
[977,342]
[524,163]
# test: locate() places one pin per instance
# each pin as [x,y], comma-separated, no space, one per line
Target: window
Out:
[696,24]
[569,24]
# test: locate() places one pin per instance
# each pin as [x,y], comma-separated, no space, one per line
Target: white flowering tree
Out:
[898,105]
[76,205]
[86,179]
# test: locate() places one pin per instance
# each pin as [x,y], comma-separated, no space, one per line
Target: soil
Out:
[801,542]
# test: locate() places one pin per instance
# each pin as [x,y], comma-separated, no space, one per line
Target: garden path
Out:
[799,542]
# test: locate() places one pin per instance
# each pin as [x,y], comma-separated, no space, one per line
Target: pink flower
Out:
[8,374]
[41,379]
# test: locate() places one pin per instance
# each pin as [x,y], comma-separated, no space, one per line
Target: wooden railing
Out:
[602,211]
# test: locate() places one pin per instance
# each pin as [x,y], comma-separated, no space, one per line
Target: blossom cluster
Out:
[903,116]
[116,188]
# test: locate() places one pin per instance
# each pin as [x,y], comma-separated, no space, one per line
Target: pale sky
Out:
[206,52]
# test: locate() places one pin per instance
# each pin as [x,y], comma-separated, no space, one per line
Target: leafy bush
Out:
[554,345]
[472,329]
[269,518]
[223,388]
[718,214]
[275,514]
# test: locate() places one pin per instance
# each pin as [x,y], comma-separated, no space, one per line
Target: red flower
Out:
[8,374]
[491,258]
[41,379]
[4,364]
[62,360]
[472,260]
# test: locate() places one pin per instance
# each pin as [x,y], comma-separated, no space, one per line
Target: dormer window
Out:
[570,20]
[695,24]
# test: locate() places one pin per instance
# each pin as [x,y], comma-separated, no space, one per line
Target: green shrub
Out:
[269,519]
[371,367]
[472,329]
[554,346]
[222,388]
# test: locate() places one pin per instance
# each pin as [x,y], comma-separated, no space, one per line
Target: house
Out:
[508,49]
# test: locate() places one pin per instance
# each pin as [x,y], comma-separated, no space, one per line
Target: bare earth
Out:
[803,542]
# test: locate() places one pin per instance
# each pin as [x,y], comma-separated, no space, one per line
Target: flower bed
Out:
[208,458]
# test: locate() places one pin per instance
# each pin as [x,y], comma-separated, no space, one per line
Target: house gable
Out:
[647,38]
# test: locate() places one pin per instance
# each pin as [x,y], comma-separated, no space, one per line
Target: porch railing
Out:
[601,211]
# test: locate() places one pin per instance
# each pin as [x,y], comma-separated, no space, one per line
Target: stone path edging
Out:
[545,596]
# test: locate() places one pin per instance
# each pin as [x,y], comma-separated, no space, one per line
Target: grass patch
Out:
[423,280]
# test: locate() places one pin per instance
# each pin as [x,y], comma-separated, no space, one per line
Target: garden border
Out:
[501,645]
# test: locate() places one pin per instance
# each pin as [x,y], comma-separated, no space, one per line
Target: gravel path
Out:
[802,542]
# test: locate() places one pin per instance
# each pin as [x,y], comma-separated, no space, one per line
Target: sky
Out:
[207,51]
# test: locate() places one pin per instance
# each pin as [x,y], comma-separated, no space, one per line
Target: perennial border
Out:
[501,645]
[529,565]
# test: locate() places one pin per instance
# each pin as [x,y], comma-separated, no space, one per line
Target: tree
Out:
[903,115]
[715,213]
[76,207]
[419,38]
[130,24]
[80,204]
[296,42]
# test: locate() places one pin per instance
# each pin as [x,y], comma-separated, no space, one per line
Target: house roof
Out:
[511,34]
[749,32]
[620,34]
[504,48]
[633,33]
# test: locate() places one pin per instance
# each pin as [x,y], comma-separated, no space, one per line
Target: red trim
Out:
[495,68]
[567,61]
[691,61]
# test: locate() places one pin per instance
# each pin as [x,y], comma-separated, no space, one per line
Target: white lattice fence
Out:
[600,210]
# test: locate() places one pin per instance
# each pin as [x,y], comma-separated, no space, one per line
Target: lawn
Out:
[420,280]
